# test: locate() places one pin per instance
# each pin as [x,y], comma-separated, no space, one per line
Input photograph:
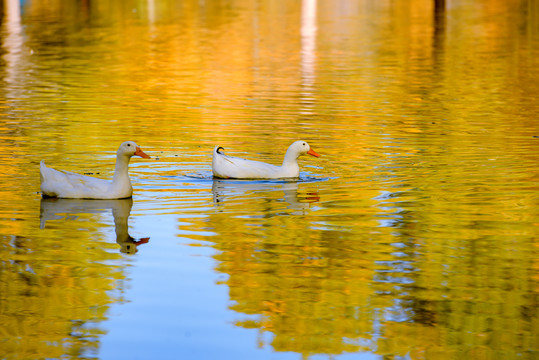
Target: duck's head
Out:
[301,147]
[130,148]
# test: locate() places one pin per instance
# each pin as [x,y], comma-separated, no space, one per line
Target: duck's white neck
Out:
[121,176]
[290,162]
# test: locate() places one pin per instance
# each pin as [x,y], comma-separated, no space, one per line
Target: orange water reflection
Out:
[419,241]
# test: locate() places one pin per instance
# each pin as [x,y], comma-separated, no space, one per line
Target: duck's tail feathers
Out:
[42,167]
[218,148]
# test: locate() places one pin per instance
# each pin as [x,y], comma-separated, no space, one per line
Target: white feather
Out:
[224,166]
[65,184]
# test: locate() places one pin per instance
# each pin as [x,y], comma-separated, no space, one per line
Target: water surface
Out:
[414,236]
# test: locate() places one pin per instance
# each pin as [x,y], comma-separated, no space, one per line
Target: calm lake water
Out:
[414,236]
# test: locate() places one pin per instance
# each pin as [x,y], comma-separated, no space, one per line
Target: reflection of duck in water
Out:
[55,209]
[230,189]
[224,166]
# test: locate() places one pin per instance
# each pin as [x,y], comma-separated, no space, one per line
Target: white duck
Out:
[65,184]
[224,166]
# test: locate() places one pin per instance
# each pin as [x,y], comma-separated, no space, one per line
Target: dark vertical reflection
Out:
[438,31]
[439,5]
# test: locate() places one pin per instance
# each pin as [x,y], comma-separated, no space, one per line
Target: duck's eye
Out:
[303,144]
[128,144]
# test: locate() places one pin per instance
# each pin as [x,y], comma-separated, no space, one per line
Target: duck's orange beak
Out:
[141,153]
[141,241]
[313,153]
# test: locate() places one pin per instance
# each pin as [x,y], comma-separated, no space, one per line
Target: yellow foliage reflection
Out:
[421,239]
[55,292]
[315,289]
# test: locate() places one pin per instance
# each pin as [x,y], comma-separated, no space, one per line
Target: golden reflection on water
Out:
[56,287]
[414,234]
[69,209]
